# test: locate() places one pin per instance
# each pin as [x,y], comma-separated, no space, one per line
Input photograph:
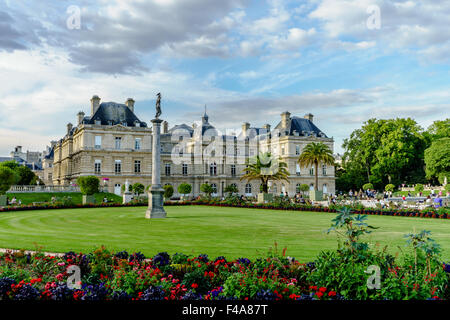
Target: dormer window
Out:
[98,122]
[137,123]
[110,122]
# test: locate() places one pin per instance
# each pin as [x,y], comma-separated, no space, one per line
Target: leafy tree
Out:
[439,129]
[25,174]
[88,184]
[367,186]
[168,191]
[184,188]
[12,164]
[207,188]
[447,187]
[314,154]
[386,151]
[419,187]
[304,187]
[264,167]
[7,179]
[231,188]
[138,188]
[389,187]
[437,158]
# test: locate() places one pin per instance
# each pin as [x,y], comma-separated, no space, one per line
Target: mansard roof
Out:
[114,113]
[301,127]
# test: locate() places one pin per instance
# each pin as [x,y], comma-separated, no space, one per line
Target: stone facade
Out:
[115,145]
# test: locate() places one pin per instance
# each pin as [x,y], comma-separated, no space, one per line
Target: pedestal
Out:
[156,194]
[316,195]
[155,204]
[127,197]
[2,201]
[265,197]
[88,199]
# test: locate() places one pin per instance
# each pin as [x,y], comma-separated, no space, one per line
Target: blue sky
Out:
[246,60]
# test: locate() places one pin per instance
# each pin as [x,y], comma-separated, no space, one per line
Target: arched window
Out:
[248,188]
[324,170]
[325,188]
[214,188]
[311,186]
[297,188]
[213,169]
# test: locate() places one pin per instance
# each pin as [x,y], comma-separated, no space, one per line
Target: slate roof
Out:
[51,154]
[304,127]
[117,113]
[182,129]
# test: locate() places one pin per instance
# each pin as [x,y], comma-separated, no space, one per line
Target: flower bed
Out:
[442,213]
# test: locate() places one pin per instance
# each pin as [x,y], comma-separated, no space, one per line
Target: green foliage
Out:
[25,174]
[184,188]
[138,188]
[265,168]
[437,158]
[12,164]
[313,154]
[389,187]
[419,187]
[168,191]
[367,186]
[206,188]
[447,188]
[7,179]
[385,151]
[88,184]
[439,129]
[130,188]
[304,187]
[230,189]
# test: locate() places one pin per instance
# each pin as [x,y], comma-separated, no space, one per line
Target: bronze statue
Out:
[158,106]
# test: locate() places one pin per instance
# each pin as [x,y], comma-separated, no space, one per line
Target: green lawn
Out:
[29,198]
[216,231]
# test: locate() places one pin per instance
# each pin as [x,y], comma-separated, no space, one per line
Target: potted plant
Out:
[88,186]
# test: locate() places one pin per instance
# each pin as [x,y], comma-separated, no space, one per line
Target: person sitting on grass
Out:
[105,199]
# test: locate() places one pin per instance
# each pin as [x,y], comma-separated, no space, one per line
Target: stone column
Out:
[156,194]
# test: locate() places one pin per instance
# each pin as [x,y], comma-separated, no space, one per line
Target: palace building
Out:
[115,145]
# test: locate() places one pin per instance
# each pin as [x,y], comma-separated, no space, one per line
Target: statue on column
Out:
[158,105]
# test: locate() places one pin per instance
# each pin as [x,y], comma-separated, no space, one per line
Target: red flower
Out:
[331,294]
[194,285]
[322,289]
[319,294]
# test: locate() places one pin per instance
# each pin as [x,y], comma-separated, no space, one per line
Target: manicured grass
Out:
[231,232]
[29,198]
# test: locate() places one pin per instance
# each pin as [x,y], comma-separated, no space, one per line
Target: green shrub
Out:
[419,188]
[7,179]
[367,186]
[447,187]
[184,188]
[88,185]
[206,188]
[168,191]
[138,188]
[389,187]
[304,187]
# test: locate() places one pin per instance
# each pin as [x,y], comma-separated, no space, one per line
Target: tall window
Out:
[213,169]
[98,142]
[297,188]
[118,166]
[311,171]
[324,170]
[137,166]
[137,144]
[297,169]
[282,150]
[248,188]
[233,170]
[297,150]
[97,166]
[184,169]
[167,168]
[214,188]
[118,142]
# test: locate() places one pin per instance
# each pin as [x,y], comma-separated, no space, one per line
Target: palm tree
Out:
[263,167]
[313,154]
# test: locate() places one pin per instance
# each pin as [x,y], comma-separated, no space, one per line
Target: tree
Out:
[367,186]
[419,187]
[138,188]
[25,174]
[386,151]
[304,187]
[88,184]
[230,189]
[437,159]
[389,187]
[7,179]
[265,168]
[206,188]
[12,164]
[439,129]
[184,189]
[313,154]
[168,191]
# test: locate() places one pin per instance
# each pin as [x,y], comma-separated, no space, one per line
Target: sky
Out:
[344,61]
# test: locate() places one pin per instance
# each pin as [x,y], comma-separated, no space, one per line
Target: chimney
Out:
[245,127]
[165,127]
[266,127]
[285,119]
[80,117]
[194,126]
[95,102]
[309,116]
[69,127]
[130,104]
